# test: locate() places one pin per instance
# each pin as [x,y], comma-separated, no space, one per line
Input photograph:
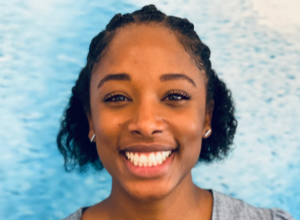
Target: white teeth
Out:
[164,155]
[151,159]
[158,158]
[147,159]
[131,157]
[136,158]
[143,160]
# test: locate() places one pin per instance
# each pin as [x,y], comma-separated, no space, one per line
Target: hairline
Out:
[109,36]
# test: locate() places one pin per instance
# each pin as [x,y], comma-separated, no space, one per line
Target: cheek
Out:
[107,131]
[189,134]
[108,125]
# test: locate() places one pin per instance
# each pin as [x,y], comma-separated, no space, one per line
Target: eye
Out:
[115,97]
[177,95]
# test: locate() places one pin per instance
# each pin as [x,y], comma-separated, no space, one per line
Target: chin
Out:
[149,190]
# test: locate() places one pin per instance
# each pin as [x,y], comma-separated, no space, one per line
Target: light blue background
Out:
[43,46]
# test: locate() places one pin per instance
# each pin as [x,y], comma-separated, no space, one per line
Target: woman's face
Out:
[148,100]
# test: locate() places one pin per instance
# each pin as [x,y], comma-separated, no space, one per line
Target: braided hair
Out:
[72,139]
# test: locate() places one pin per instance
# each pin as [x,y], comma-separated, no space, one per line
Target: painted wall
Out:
[43,46]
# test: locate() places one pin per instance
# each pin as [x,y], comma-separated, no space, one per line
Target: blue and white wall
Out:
[43,45]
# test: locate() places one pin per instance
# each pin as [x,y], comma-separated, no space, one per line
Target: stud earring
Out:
[207,133]
[93,138]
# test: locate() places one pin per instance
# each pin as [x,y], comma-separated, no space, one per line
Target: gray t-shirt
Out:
[228,208]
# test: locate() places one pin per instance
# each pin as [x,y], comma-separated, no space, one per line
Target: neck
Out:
[183,202]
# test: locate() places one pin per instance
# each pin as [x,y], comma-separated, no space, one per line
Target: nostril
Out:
[136,132]
[146,126]
[145,133]
[156,131]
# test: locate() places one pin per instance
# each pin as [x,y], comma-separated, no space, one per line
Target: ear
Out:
[207,121]
[91,127]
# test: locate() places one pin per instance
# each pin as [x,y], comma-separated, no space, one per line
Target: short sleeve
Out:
[75,216]
[279,214]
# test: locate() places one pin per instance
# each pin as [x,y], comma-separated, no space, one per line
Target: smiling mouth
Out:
[149,159]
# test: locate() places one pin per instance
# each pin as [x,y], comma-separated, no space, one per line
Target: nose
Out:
[146,120]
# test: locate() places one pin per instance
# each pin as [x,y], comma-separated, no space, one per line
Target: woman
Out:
[147,106]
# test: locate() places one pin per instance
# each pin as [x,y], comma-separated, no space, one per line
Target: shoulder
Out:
[75,216]
[227,208]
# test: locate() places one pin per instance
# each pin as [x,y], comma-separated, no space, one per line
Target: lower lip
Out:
[150,172]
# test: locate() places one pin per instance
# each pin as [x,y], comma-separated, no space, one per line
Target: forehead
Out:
[136,37]
[147,48]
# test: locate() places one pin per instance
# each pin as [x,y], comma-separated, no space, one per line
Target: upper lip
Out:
[148,148]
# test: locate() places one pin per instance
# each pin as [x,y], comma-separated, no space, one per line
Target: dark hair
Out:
[72,139]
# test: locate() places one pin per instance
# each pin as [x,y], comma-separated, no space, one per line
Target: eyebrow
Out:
[119,76]
[163,78]
[176,76]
